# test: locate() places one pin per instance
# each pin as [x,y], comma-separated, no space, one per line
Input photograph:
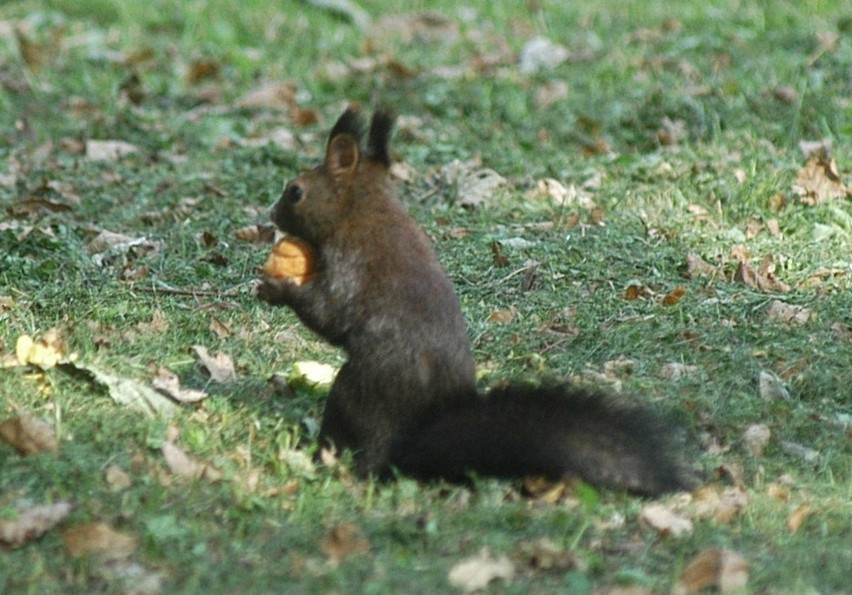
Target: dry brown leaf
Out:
[665,521]
[549,93]
[675,371]
[731,502]
[167,382]
[183,465]
[763,279]
[275,95]
[776,491]
[342,541]
[723,569]
[779,311]
[501,317]
[819,181]
[755,439]
[798,516]
[771,388]
[28,435]
[98,538]
[842,331]
[200,69]
[544,554]
[44,352]
[474,185]
[637,291]
[31,523]
[117,478]
[816,148]
[108,150]
[674,296]
[219,366]
[219,328]
[417,27]
[256,234]
[695,265]
[474,573]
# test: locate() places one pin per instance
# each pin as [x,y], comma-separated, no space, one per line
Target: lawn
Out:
[650,198]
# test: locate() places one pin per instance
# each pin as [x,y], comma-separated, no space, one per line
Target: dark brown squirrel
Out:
[406,398]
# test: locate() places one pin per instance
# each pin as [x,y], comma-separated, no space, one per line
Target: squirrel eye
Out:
[293,193]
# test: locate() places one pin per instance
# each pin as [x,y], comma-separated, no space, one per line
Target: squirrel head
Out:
[350,179]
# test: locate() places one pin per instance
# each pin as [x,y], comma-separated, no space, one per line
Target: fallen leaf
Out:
[725,570]
[219,366]
[220,328]
[28,435]
[200,69]
[763,279]
[345,8]
[815,148]
[809,455]
[98,538]
[755,439]
[270,94]
[117,478]
[539,53]
[167,382]
[798,516]
[44,352]
[544,554]
[842,331]
[501,317]
[474,573]
[108,150]
[342,541]
[256,234]
[771,388]
[473,184]
[731,502]
[695,265]
[180,463]
[637,291]
[675,371]
[819,181]
[130,393]
[779,311]
[561,195]
[158,323]
[31,523]
[674,296]
[312,374]
[550,93]
[107,246]
[665,521]
[777,491]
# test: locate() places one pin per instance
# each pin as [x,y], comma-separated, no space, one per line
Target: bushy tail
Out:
[551,431]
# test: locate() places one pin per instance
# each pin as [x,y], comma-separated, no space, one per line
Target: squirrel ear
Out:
[378,140]
[342,155]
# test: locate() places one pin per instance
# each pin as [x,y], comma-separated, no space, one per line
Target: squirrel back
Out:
[406,397]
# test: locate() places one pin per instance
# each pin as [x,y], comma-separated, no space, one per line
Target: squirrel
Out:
[406,401]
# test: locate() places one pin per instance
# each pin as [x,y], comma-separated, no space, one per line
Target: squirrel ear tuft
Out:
[351,123]
[342,155]
[378,141]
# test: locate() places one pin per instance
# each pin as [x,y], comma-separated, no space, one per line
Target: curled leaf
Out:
[31,523]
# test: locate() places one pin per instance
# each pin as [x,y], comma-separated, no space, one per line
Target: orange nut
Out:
[290,259]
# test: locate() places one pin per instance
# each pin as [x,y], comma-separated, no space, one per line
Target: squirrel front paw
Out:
[275,291]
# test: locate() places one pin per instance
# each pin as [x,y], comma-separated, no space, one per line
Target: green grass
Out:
[746,81]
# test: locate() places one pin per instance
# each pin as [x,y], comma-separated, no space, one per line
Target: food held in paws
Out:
[291,259]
